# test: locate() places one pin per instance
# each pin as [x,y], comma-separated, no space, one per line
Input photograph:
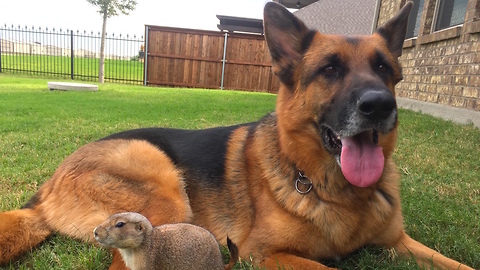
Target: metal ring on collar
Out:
[302,179]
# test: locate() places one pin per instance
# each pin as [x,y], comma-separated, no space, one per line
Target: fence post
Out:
[71,54]
[224,59]
[0,54]
[145,57]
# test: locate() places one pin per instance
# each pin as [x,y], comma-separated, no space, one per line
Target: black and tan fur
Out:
[240,180]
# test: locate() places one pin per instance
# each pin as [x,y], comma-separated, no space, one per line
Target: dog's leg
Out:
[289,261]
[20,230]
[425,256]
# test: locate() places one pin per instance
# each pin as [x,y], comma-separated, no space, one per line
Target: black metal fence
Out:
[70,54]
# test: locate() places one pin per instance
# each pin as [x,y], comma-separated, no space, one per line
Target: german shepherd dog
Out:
[313,180]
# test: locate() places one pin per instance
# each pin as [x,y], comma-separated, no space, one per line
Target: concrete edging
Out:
[67,86]
[457,115]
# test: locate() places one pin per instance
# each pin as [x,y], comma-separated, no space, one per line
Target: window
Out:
[414,19]
[450,13]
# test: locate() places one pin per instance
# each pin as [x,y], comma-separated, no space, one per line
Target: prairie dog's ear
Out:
[286,39]
[140,227]
[395,29]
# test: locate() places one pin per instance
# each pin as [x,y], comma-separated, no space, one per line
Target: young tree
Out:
[109,8]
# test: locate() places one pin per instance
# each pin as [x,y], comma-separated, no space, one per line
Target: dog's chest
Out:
[330,229]
[346,228]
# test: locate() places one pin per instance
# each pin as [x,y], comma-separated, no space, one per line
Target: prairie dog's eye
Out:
[120,224]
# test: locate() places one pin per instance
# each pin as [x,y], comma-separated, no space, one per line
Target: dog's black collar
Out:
[303,185]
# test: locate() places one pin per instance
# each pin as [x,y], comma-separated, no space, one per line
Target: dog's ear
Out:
[395,29]
[286,39]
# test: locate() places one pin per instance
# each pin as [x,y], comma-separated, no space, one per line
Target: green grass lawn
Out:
[439,160]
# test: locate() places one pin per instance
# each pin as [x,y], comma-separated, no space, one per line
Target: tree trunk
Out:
[101,65]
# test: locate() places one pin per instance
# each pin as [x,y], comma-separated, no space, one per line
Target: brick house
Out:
[441,55]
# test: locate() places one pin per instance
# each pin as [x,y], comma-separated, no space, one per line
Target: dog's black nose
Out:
[376,104]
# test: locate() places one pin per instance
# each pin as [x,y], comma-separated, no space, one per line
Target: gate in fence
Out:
[70,54]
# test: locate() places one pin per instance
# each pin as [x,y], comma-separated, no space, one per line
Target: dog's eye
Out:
[330,70]
[382,68]
[120,224]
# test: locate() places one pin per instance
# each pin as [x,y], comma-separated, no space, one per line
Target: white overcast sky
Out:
[80,15]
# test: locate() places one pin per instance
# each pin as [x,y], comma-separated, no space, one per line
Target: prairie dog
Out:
[178,246]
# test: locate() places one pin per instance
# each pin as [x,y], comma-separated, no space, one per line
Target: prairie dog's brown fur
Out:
[178,246]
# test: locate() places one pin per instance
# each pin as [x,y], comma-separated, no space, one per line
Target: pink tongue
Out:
[361,160]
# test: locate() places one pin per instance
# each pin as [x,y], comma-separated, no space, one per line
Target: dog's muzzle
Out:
[353,140]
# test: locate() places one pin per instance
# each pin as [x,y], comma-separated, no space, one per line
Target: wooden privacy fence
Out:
[207,59]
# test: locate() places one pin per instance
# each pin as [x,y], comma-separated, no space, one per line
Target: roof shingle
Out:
[344,17]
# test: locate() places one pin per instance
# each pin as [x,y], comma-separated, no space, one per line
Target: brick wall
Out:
[440,66]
